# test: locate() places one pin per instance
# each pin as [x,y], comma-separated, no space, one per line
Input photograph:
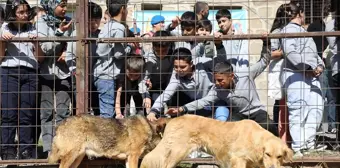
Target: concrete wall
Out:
[261,14]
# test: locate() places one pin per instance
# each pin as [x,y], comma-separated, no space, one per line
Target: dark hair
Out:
[2,15]
[135,63]
[188,19]
[205,24]
[281,18]
[223,13]
[183,54]
[11,8]
[95,11]
[114,6]
[34,11]
[161,33]
[199,6]
[223,67]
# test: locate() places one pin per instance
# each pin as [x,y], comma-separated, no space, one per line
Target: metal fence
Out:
[255,17]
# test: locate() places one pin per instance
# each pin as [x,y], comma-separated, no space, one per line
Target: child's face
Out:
[188,31]
[22,13]
[94,25]
[132,75]
[159,26]
[203,31]
[182,67]
[224,80]
[161,52]
[225,24]
[106,18]
[60,10]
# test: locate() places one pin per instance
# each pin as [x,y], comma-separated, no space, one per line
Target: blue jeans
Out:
[106,91]
[221,113]
[328,93]
[305,108]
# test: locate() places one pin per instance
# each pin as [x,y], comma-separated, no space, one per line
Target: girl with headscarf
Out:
[55,76]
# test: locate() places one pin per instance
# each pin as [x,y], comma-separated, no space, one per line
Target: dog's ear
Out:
[159,124]
[287,155]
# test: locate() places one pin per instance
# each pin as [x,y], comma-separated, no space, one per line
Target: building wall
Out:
[260,15]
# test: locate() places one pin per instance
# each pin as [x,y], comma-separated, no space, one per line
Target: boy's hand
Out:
[315,73]
[175,22]
[7,36]
[119,116]
[147,102]
[174,111]
[217,39]
[277,54]
[149,84]
[151,117]
[32,36]
[62,57]
[65,26]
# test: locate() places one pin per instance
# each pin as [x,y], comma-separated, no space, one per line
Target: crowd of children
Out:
[206,78]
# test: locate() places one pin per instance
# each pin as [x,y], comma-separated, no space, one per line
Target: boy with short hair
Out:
[238,90]
[236,50]
[188,24]
[204,28]
[158,68]
[127,87]
[111,57]
[95,16]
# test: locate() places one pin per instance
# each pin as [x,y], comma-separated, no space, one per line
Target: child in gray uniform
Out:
[55,77]
[111,57]
[19,83]
[302,67]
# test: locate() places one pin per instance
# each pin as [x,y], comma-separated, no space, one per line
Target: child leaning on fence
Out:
[188,26]
[158,68]
[236,50]
[127,87]
[19,69]
[55,79]
[111,57]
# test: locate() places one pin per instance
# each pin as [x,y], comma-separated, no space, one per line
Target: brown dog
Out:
[125,139]
[242,144]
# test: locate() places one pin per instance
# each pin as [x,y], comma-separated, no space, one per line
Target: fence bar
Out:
[81,82]
[307,160]
[179,38]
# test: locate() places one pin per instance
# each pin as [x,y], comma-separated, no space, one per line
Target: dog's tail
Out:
[54,155]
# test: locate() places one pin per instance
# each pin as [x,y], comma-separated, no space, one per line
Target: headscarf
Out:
[49,6]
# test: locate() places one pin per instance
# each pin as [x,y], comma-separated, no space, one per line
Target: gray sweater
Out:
[244,98]
[199,87]
[236,52]
[19,53]
[300,53]
[50,67]
[333,46]
[71,52]
[111,56]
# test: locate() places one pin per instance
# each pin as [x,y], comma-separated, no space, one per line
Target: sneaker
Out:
[297,155]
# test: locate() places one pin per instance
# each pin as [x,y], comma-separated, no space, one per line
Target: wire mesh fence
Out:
[274,62]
